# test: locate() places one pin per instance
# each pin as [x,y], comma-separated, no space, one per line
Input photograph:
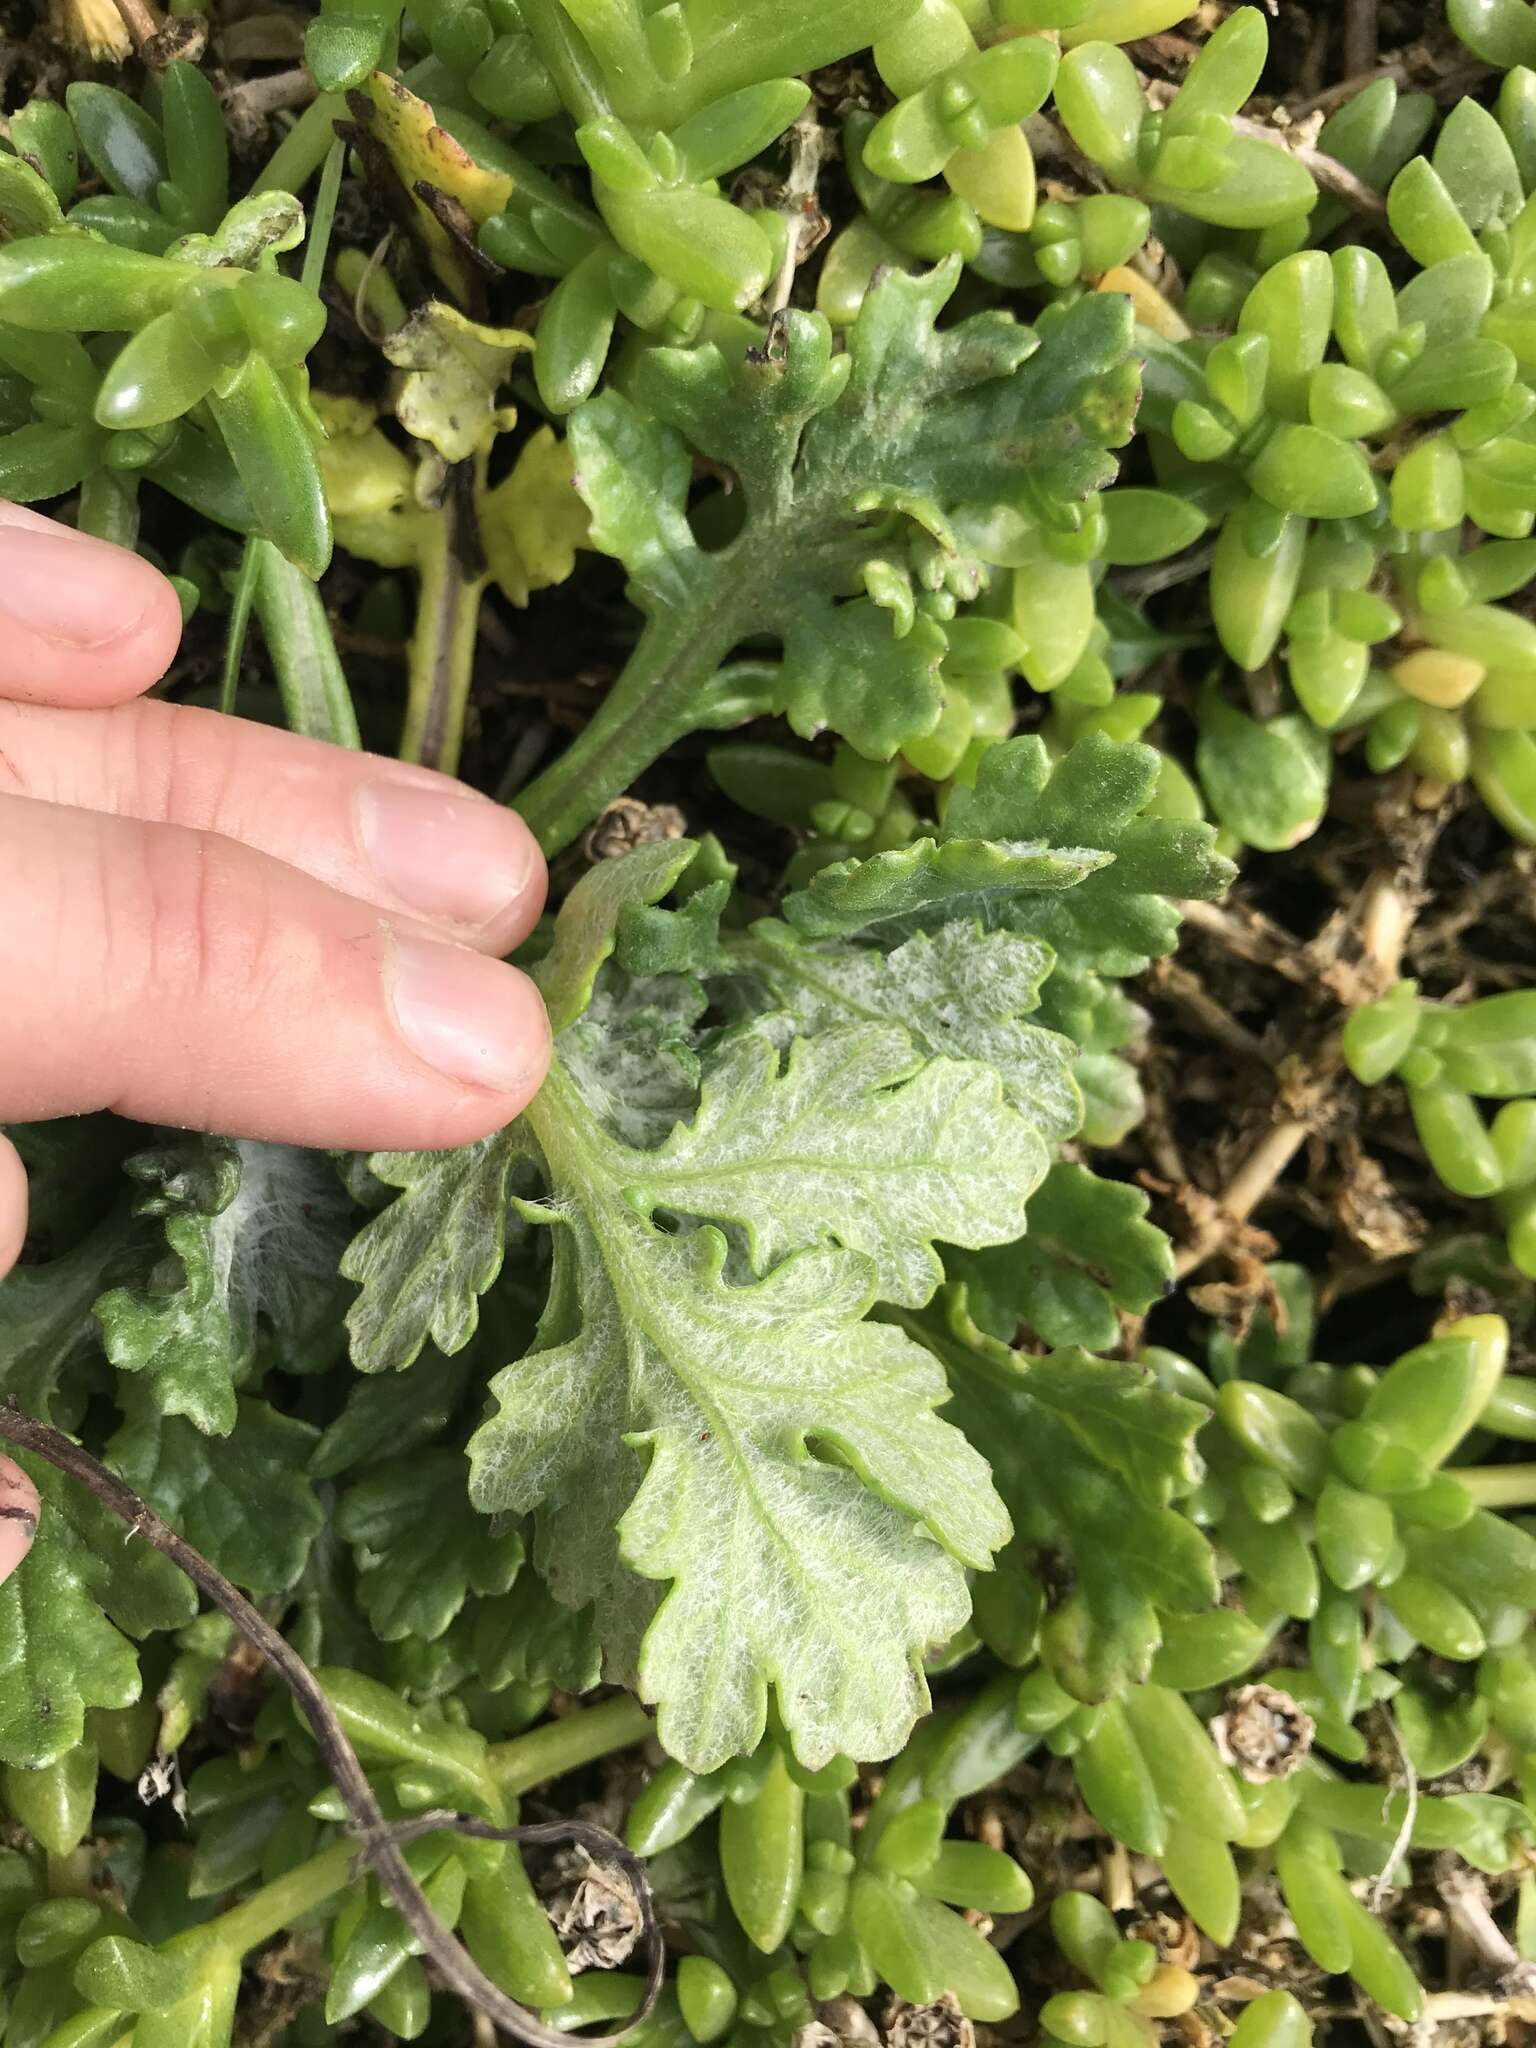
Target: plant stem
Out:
[653,703]
[302,150]
[109,506]
[1499,1486]
[322,217]
[239,624]
[286,1899]
[564,1745]
[316,700]
[443,644]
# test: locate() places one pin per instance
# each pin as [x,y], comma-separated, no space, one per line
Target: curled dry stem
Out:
[379,1839]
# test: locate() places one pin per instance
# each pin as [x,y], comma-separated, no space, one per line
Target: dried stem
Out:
[253,100]
[1384,916]
[380,1840]
[1382,1882]
[138,21]
[1333,176]
[1466,1902]
[1361,24]
[806,226]
[159,44]
[1451,86]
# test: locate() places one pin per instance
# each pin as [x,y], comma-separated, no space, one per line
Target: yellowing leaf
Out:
[533,522]
[455,368]
[424,153]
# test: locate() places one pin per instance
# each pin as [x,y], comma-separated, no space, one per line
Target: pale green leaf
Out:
[962,993]
[423,1263]
[772,1457]
[855,1138]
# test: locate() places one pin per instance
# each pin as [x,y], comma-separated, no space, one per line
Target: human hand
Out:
[212,924]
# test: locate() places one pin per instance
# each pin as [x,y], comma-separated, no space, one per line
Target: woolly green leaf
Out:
[701,1414]
[772,1456]
[242,1500]
[61,1614]
[856,1139]
[254,1232]
[842,461]
[421,1548]
[962,992]
[631,1054]
[1059,850]
[423,1263]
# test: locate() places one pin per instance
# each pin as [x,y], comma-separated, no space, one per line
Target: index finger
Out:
[81,622]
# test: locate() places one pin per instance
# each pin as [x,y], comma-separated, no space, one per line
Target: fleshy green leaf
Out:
[61,1614]
[254,1232]
[1267,782]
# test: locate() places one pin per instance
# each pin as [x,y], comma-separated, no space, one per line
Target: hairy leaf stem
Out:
[657,699]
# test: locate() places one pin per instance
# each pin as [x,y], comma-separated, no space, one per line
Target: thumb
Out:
[19,1504]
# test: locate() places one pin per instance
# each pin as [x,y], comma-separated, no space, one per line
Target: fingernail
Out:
[469,1017]
[457,857]
[18,1517]
[53,589]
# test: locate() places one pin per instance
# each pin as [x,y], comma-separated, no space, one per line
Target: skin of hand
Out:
[216,925]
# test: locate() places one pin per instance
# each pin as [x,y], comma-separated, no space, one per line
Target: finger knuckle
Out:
[205,917]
